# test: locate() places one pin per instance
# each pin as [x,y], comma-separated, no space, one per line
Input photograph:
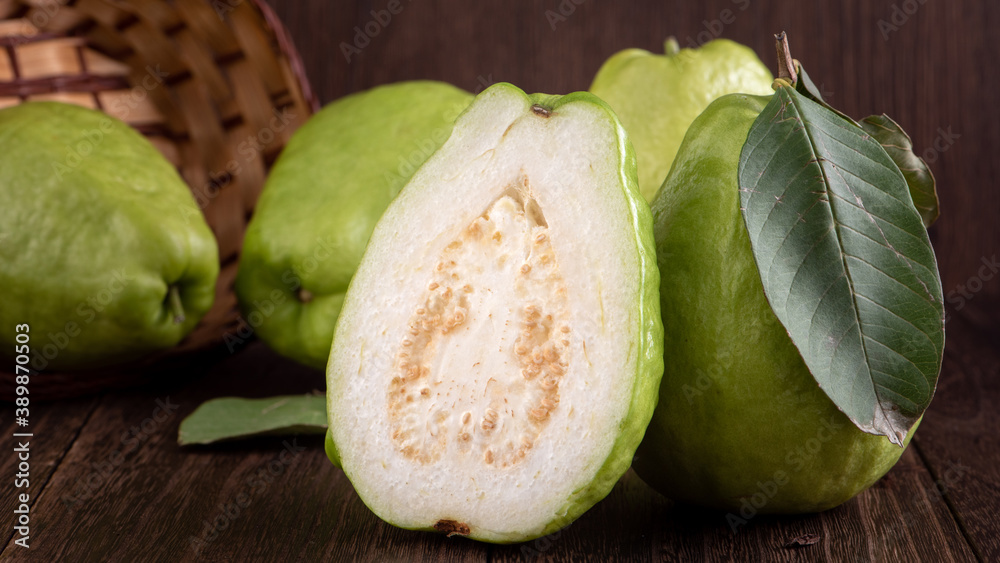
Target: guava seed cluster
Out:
[498,282]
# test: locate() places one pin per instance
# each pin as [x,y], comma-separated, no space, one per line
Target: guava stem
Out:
[174,295]
[671,47]
[786,64]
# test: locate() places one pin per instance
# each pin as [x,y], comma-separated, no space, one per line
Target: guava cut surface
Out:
[321,201]
[741,423]
[657,96]
[497,356]
[103,251]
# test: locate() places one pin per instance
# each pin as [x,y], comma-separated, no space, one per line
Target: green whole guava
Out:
[321,201]
[657,97]
[741,424]
[497,356]
[103,251]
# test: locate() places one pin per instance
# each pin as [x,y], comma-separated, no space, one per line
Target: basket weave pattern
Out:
[216,86]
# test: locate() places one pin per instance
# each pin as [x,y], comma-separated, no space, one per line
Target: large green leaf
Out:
[845,261]
[918,176]
[231,418]
[897,145]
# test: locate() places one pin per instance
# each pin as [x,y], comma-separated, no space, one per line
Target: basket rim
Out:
[287,46]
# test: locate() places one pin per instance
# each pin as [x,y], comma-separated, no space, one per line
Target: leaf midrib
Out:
[843,257]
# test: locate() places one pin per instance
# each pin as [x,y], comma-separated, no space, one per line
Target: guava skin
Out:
[740,418]
[657,96]
[648,330]
[320,204]
[649,364]
[96,228]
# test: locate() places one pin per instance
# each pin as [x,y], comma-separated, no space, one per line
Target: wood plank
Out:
[899,519]
[55,427]
[249,501]
[267,499]
[960,436]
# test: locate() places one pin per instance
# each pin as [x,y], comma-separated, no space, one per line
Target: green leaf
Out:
[897,145]
[231,418]
[918,176]
[845,261]
[805,86]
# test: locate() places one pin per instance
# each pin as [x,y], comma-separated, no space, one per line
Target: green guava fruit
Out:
[104,252]
[321,201]
[497,356]
[658,96]
[741,424]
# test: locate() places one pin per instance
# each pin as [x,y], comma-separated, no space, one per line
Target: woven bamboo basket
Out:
[216,86]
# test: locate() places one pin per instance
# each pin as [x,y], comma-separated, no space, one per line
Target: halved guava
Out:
[321,201]
[497,357]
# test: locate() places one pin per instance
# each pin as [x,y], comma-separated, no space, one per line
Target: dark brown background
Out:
[935,72]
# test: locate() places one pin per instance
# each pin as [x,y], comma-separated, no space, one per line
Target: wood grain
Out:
[899,520]
[54,431]
[270,499]
[250,502]
[960,436]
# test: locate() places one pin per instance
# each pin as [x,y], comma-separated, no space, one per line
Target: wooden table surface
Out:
[109,482]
